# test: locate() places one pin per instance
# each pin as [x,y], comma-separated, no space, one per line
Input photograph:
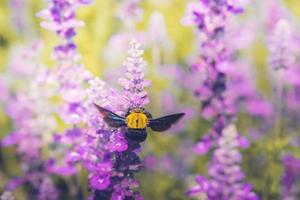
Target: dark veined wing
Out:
[164,123]
[111,118]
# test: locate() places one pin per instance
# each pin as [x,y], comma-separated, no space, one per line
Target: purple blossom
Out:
[70,75]
[40,182]
[7,195]
[29,108]
[219,102]
[15,183]
[65,169]
[282,59]
[104,152]
[225,84]
[31,112]
[211,17]
[101,179]
[47,191]
[203,146]
[279,48]
[128,162]
[291,176]
[225,174]
[134,82]
[61,18]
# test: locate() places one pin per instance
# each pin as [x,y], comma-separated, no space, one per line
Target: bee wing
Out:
[164,123]
[112,119]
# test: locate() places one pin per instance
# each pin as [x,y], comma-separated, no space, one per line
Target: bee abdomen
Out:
[136,135]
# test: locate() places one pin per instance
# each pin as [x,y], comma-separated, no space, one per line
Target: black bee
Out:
[136,120]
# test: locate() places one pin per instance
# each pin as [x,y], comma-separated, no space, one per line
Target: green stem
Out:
[279,106]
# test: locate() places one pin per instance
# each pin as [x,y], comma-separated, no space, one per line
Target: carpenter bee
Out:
[136,120]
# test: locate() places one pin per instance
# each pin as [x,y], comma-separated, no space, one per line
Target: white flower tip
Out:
[133,41]
[283,23]
[283,26]
[134,44]
[230,130]
[44,14]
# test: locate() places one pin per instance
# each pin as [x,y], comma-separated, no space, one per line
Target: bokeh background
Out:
[102,44]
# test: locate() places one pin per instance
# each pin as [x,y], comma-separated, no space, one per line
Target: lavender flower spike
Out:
[47,191]
[290,177]
[280,49]
[211,18]
[113,161]
[61,18]
[226,176]
[128,163]
[134,83]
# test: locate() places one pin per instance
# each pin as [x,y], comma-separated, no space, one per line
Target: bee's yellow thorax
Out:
[137,120]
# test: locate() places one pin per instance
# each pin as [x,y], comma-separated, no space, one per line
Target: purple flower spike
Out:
[69,74]
[290,177]
[213,65]
[100,182]
[103,151]
[134,84]
[280,46]
[225,174]
[215,70]
[47,191]
[61,18]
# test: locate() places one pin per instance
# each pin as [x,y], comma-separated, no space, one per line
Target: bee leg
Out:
[136,135]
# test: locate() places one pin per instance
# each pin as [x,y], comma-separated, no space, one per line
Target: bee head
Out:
[135,109]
